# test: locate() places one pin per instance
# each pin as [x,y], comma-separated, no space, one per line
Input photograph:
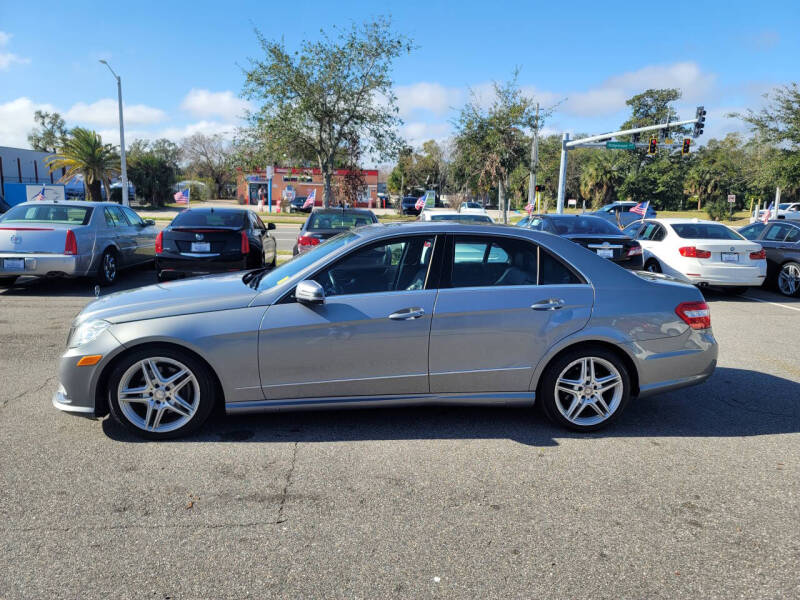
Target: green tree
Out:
[84,153]
[153,169]
[422,170]
[600,177]
[331,91]
[51,133]
[209,156]
[718,170]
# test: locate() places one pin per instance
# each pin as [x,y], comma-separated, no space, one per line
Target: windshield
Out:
[203,218]
[783,206]
[583,224]
[462,218]
[705,231]
[337,220]
[48,213]
[287,270]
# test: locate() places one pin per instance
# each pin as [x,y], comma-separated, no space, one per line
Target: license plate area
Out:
[730,257]
[605,253]
[201,246]
[13,264]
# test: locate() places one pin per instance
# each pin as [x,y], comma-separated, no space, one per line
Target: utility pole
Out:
[123,163]
[534,160]
[562,175]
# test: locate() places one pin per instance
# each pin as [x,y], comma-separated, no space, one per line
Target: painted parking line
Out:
[773,303]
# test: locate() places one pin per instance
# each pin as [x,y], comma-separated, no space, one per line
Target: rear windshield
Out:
[48,213]
[462,218]
[320,221]
[217,218]
[578,225]
[705,231]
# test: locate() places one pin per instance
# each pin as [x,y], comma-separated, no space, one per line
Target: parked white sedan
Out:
[701,252]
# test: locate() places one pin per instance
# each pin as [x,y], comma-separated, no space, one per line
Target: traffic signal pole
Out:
[593,142]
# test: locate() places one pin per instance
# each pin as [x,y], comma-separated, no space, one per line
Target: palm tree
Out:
[600,177]
[84,153]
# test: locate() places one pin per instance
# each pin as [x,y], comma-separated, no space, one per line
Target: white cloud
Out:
[9,58]
[418,132]
[424,96]
[206,127]
[16,121]
[205,104]
[105,112]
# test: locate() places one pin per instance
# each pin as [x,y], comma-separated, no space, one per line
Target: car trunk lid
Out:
[203,240]
[32,238]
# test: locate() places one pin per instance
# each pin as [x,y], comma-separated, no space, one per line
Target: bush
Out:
[717,211]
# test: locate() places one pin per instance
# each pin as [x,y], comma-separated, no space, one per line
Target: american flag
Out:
[641,208]
[40,196]
[420,203]
[529,207]
[309,203]
[182,197]
[767,213]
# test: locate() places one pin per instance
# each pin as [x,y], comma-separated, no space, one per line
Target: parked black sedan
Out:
[408,205]
[297,204]
[200,241]
[781,241]
[594,233]
[325,223]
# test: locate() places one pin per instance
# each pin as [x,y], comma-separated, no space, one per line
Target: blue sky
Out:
[181,61]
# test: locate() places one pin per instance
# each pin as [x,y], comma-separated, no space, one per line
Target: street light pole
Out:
[123,165]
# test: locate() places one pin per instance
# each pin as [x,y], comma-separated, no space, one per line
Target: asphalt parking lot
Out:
[693,494]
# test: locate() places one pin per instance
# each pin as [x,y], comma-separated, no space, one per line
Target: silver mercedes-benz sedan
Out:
[73,239]
[387,315]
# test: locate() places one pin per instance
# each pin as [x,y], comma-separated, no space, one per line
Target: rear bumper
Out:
[183,265]
[734,275]
[42,265]
[635,263]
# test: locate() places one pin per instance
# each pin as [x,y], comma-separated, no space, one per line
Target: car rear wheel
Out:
[585,389]
[652,266]
[789,279]
[108,268]
[160,393]
[7,282]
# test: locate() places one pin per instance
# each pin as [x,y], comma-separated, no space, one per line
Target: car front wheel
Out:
[160,392]
[585,389]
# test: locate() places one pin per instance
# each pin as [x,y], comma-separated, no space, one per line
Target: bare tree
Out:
[209,156]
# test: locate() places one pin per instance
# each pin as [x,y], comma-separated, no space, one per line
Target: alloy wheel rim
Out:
[158,394]
[588,391]
[789,280]
[110,266]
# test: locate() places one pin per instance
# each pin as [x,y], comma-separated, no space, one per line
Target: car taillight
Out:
[635,250]
[160,242]
[245,243]
[695,314]
[71,244]
[761,254]
[307,240]
[692,252]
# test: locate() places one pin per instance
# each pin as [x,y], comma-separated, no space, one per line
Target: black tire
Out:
[205,387]
[274,259]
[791,268]
[7,282]
[108,269]
[652,266]
[734,290]
[546,395]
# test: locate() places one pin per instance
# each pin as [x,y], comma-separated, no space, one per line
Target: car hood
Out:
[181,297]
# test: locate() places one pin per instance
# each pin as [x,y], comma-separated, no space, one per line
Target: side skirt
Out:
[340,402]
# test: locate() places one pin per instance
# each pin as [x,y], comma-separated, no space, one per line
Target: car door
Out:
[120,233]
[369,337]
[267,241]
[780,242]
[503,303]
[144,235]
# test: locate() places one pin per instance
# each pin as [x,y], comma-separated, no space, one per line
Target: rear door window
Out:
[777,233]
[486,261]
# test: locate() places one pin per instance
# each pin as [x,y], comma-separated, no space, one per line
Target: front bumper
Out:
[43,265]
[63,402]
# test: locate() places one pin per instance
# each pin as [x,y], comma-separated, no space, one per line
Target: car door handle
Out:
[549,304]
[407,314]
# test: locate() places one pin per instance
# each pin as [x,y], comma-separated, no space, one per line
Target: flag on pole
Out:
[40,196]
[529,207]
[182,197]
[641,208]
[420,203]
[767,213]
[309,203]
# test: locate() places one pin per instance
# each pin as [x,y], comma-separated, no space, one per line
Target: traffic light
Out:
[538,188]
[653,147]
[700,115]
[687,142]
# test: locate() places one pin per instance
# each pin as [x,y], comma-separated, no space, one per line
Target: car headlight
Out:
[87,332]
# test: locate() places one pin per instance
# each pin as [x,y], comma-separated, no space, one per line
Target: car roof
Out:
[680,221]
[74,203]
[210,209]
[338,211]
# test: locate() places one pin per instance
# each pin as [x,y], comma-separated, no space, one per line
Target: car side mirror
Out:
[149,222]
[309,292]
[270,226]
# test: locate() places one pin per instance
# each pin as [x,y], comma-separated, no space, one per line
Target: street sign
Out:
[620,145]
[732,198]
